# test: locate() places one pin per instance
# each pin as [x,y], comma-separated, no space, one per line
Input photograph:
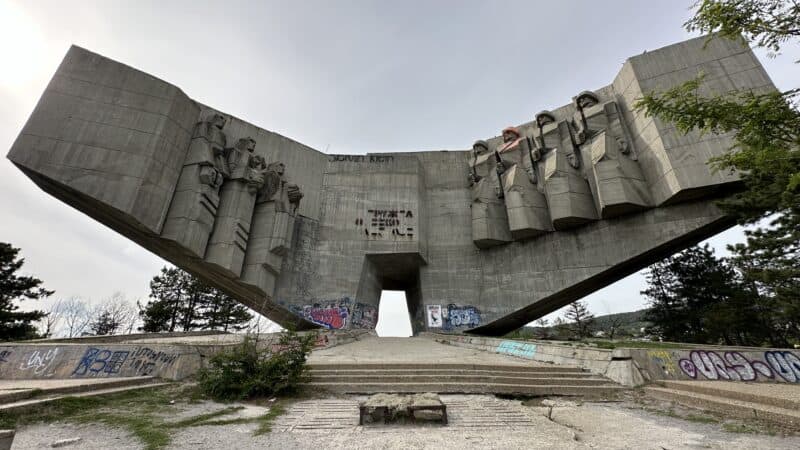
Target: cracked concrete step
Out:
[433,365]
[16,390]
[31,403]
[604,391]
[787,397]
[735,408]
[448,372]
[458,378]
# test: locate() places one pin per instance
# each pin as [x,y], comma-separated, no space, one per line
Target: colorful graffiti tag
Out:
[734,366]
[460,316]
[338,314]
[519,349]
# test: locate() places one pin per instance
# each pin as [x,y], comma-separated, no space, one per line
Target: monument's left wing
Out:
[138,155]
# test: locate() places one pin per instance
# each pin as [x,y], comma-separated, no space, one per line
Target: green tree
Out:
[223,312]
[696,297]
[15,324]
[181,302]
[766,133]
[582,320]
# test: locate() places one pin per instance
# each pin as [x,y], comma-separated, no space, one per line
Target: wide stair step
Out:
[731,402]
[460,378]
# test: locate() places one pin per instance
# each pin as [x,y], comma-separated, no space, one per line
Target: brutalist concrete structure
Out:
[481,240]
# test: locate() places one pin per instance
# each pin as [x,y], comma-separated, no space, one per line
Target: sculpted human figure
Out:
[229,239]
[489,219]
[569,196]
[193,210]
[526,207]
[273,227]
[617,182]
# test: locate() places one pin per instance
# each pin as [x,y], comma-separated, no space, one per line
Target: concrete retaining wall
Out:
[719,363]
[173,360]
[614,365]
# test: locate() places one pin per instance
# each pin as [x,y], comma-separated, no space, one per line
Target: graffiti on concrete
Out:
[460,317]
[434,316]
[519,349]
[363,316]
[331,315]
[664,360]
[734,366]
[41,362]
[144,360]
[338,314]
[4,355]
[96,361]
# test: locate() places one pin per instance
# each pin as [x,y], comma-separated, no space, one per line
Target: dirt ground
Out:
[475,421]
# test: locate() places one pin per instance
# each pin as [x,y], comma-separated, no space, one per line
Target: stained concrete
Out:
[578,198]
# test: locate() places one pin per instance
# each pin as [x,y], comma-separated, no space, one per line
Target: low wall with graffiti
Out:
[108,360]
[97,361]
[338,314]
[613,365]
[725,364]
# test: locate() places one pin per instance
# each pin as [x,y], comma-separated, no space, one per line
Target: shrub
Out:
[252,369]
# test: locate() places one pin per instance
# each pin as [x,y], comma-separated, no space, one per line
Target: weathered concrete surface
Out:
[475,421]
[720,363]
[480,242]
[170,357]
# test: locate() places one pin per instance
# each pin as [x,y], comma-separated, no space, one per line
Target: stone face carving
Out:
[568,194]
[193,210]
[228,242]
[617,183]
[272,230]
[489,217]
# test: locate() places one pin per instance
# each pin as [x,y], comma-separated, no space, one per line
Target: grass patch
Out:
[700,418]
[202,418]
[265,421]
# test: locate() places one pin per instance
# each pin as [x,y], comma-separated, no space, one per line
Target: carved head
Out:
[276,167]
[544,117]
[511,134]
[247,144]
[586,99]
[257,162]
[218,120]
[480,147]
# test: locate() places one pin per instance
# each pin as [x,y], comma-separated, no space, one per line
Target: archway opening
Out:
[394,319]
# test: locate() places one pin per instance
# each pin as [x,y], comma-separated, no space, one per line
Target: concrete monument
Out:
[482,240]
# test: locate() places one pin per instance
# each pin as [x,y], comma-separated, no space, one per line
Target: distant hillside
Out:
[626,324]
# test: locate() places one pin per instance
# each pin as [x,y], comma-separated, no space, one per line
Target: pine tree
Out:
[582,320]
[179,301]
[14,288]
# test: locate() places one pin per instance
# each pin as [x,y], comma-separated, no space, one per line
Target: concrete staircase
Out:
[776,403]
[460,378]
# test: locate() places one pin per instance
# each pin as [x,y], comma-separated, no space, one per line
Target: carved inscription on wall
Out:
[387,224]
[361,158]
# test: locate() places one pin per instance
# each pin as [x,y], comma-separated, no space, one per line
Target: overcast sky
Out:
[340,76]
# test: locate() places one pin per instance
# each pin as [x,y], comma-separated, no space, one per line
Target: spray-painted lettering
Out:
[734,366]
[41,362]
[519,349]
